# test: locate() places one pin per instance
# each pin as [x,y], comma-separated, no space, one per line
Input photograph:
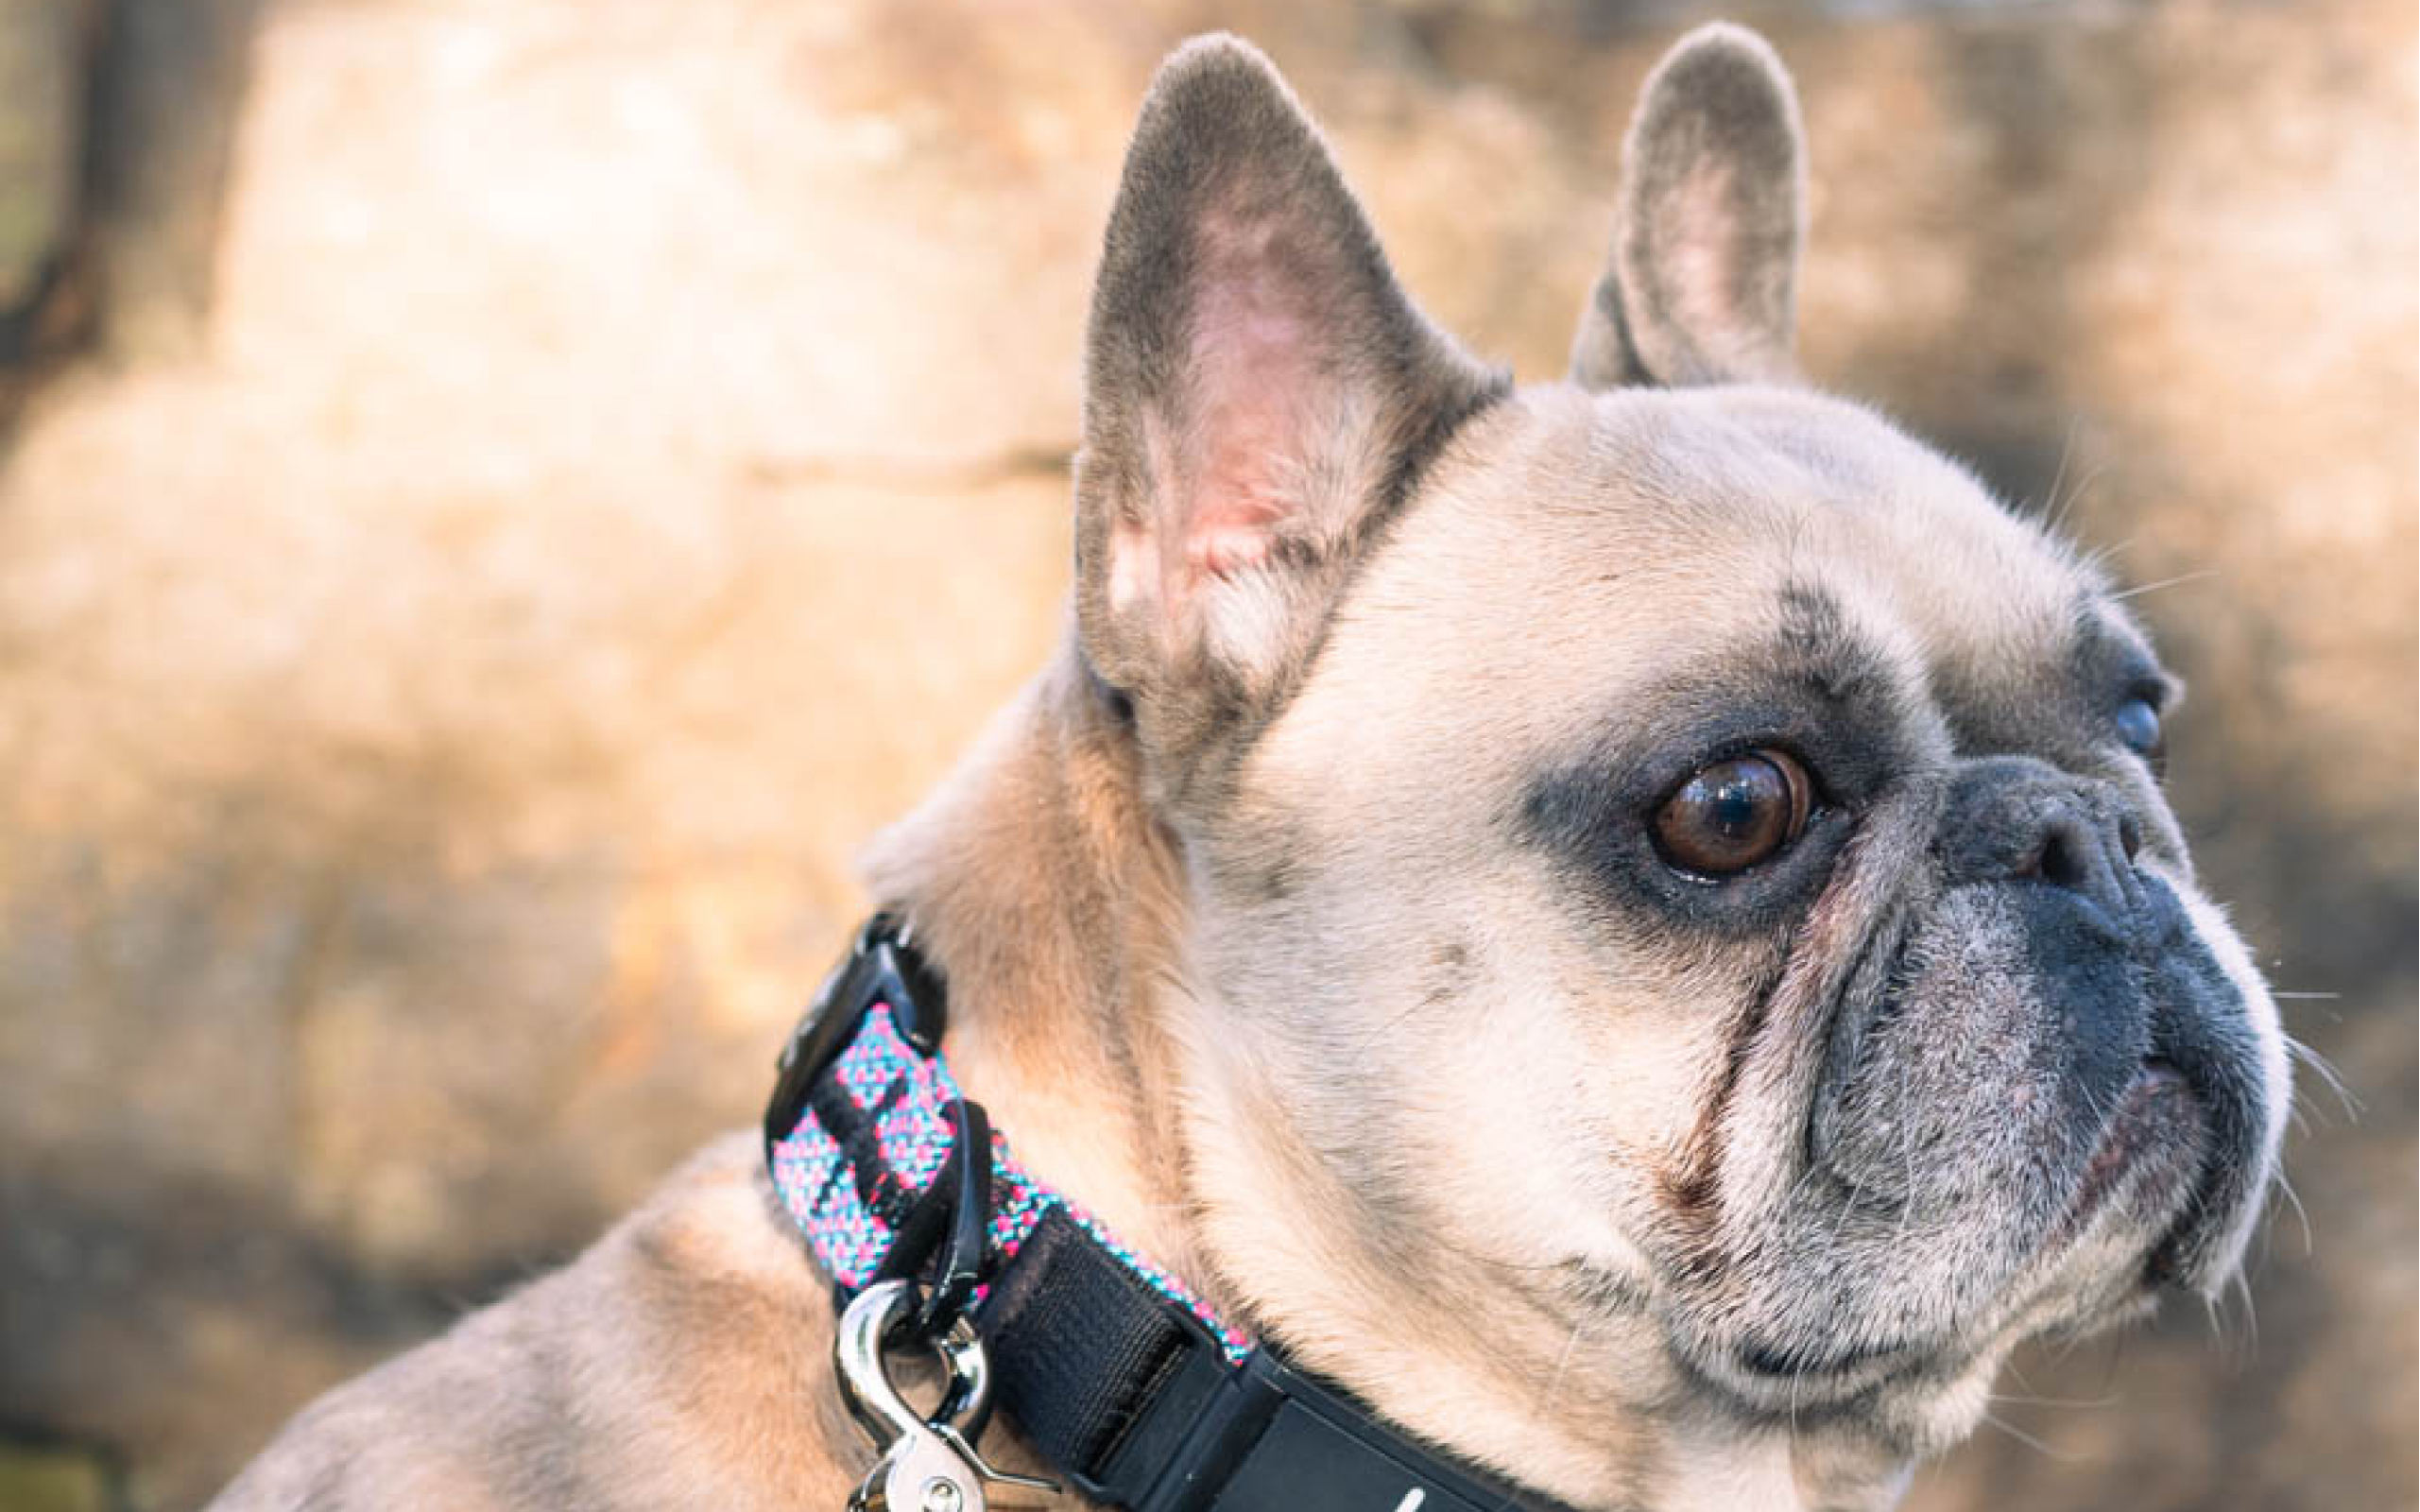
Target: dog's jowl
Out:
[1610,944]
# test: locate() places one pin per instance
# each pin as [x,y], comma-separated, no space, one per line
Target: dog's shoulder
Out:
[674,1363]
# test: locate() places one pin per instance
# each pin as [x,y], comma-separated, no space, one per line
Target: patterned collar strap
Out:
[1127,1381]
[857,1170]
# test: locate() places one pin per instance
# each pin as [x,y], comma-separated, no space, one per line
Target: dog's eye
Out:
[1734,813]
[2137,723]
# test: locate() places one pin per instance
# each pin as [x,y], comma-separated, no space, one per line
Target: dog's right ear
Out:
[1701,286]
[1258,392]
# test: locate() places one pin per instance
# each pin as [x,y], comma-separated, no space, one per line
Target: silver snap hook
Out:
[928,1464]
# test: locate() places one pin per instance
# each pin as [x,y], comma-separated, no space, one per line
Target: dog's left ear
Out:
[1258,393]
[1702,283]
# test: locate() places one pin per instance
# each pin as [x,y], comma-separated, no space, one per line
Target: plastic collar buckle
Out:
[949,1227]
[882,966]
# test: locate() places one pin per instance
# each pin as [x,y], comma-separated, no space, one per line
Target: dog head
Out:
[1685,955]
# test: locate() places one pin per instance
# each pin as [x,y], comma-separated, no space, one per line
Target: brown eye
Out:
[1734,813]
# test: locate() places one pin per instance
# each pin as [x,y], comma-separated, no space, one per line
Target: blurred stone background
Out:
[496,499]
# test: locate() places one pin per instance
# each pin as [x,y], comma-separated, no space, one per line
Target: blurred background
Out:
[498,497]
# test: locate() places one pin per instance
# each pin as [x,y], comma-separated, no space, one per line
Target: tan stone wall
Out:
[618,458]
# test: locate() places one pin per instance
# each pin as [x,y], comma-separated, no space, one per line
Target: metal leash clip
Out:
[928,1464]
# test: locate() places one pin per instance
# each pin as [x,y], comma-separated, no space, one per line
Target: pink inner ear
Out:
[1252,375]
[1702,251]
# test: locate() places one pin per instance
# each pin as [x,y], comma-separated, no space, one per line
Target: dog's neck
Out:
[1039,878]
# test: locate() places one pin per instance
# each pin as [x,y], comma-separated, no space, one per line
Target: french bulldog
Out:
[1630,923]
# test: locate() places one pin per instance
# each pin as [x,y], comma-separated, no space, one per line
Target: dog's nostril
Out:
[2058,862]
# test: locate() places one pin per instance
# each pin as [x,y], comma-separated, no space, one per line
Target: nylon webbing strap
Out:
[1080,1349]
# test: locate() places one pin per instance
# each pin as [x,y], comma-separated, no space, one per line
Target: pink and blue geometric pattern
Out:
[906,1093]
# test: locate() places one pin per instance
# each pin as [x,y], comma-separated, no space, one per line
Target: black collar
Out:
[1130,1386]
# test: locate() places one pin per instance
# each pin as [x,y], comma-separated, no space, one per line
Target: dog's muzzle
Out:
[2055,1038]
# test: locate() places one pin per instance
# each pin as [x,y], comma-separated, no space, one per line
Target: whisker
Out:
[2083,487]
[2240,1347]
[2329,1076]
[2165,582]
[2286,1190]
[2053,512]
[1563,1360]
[2028,1439]
[2062,1404]
[2103,558]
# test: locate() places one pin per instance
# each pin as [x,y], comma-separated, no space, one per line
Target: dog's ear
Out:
[1259,391]
[1701,286]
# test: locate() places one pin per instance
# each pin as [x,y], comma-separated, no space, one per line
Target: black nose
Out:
[2011,819]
